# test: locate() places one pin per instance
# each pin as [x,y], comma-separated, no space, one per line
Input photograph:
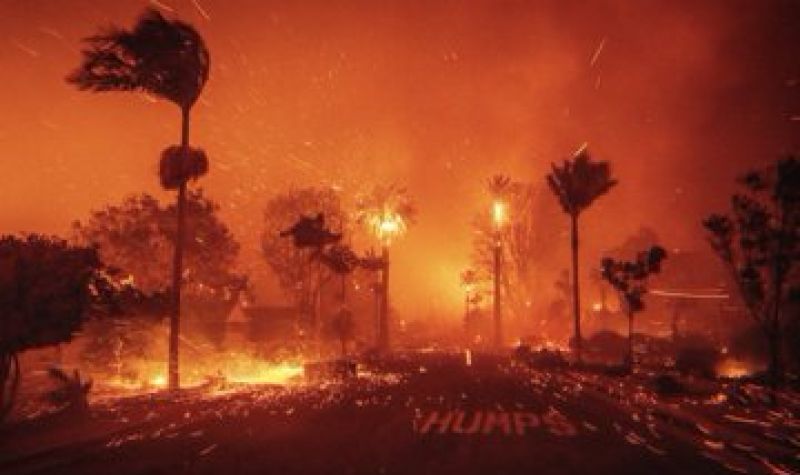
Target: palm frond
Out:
[577,183]
[164,57]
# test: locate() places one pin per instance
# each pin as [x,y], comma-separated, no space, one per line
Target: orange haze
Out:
[438,95]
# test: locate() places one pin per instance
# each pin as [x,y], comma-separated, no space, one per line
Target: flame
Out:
[387,225]
[215,369]
[266,373]
[158,380]
[733,368]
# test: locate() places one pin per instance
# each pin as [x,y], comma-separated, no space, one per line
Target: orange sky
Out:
[437,95]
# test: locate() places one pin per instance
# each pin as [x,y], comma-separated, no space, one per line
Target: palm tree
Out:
[386,212]
[577,184]
[169,59]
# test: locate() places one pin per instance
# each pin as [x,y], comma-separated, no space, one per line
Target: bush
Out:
[697,361]
[542,358]
[607,345]
[667,385]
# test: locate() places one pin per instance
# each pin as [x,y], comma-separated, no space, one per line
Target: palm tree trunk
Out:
[318,313]
[630,340]
[177,267]
[775,360]
[576,303]
[383,324]
[498,322]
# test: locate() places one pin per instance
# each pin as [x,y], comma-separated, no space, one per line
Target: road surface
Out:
[421,414]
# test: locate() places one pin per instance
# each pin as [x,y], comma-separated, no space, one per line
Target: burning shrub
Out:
[113,344]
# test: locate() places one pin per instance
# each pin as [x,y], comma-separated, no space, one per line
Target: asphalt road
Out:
[425,414]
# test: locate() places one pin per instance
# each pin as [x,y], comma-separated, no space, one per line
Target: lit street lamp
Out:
[499,217]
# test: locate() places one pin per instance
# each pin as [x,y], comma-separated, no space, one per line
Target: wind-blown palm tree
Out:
[577,184]
[169,59]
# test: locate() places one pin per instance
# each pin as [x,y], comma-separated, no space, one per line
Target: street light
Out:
[499,214]
[499,218]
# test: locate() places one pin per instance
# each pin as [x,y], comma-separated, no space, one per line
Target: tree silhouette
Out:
[310,232]
[47,289]
[629,278]
[300,275]
[169,59]
[759,244]
[577,184]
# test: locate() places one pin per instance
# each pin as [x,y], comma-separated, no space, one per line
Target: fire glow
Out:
[216,370]
[733,369]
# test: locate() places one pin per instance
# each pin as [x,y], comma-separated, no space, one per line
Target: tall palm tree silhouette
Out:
[577,184]
[169,59]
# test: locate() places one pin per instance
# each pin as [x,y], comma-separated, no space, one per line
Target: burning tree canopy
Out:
[137,237]
[386,212]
